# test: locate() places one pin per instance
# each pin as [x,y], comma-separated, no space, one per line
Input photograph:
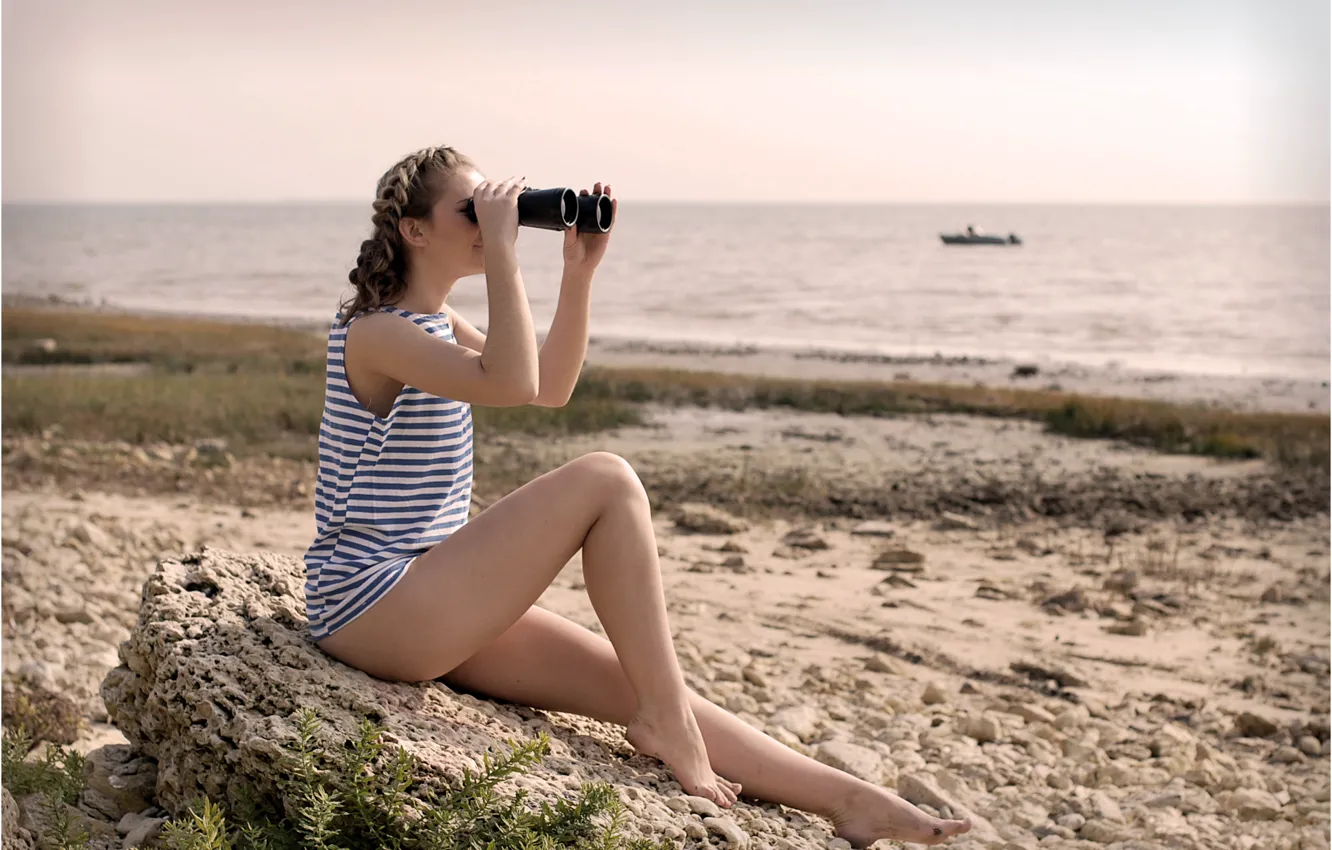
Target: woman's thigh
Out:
[469,589]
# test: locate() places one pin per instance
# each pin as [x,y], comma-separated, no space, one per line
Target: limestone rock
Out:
[117,775]
[800,720]
[220,666]
[12,836]
[852,758]
[735,837]
[703,806]
[144,832]
[705,519]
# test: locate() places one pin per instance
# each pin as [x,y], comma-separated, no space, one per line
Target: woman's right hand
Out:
[496,205]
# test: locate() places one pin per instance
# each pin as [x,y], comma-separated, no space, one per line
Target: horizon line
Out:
[331,202]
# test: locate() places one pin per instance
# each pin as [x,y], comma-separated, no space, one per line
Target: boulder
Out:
[220,667]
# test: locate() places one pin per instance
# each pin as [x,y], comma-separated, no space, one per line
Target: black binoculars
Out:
[559,209]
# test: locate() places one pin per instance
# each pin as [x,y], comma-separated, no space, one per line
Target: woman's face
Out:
[453,241]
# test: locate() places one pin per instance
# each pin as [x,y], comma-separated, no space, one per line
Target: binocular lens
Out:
[559,209]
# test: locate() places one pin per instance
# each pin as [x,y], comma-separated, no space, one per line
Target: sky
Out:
[954,101]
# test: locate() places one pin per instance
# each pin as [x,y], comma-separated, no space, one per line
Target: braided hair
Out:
[407,190]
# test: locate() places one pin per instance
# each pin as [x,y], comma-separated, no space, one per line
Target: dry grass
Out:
[262,385]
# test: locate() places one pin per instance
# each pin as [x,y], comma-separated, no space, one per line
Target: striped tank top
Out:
[388,488]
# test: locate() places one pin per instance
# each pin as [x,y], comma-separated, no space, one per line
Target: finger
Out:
[608,191]
[584,193]
[596,188]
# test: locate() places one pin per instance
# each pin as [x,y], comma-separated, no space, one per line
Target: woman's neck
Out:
[426,294]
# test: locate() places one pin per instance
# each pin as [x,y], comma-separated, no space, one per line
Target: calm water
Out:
[1219,290]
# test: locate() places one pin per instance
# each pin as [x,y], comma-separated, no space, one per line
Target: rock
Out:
[1072,600]
[220,668]
[1072,820]
[1251,804]
[1102,806]
[736,563]
[852,758]
[984,729]
[880,663]
[1072,717]
[1133,628]
[1101,832]
[934,695]
[129,782]
[1121,581]
[1310,746]
[1249,725]
[89,534]
[754,677]
[703,806]
[922,789]
[1287,755]
[737,703]
[679,805]
[873,528]
[10,838]
[899,560]
[805,538]
[734,836]
[800,720]
[705,519]
[209,454]
[949,521]
[35,815]
[1033,713]
[1043,673]
[146,831]
[838,844]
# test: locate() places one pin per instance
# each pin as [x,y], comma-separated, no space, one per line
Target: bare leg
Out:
[549,662]
[469,589]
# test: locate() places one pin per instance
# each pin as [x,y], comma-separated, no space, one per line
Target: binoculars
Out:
[559,209]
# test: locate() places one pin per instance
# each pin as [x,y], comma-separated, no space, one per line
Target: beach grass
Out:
[261,386]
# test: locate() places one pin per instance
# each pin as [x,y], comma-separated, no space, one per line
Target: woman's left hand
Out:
[583,251]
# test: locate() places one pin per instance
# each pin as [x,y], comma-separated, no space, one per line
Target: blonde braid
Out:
[407,190]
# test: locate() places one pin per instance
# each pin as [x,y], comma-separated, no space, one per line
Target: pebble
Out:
[734,836]
[703,806]
[852,758]
[934,695]
[1310,746]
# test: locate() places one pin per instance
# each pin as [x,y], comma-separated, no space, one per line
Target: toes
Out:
[730,794]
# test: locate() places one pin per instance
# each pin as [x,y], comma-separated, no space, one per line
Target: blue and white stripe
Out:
[388,488]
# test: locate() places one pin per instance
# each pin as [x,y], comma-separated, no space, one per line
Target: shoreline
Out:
[1244,393]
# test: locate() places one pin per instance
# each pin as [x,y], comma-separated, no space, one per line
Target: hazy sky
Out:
[929,100]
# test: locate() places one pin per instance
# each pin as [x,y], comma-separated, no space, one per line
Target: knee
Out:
[610,473]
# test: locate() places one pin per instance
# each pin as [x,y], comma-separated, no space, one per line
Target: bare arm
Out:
[561,355]
[505,371]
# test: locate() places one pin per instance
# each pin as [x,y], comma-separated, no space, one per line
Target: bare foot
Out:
[879,813]
[676,740]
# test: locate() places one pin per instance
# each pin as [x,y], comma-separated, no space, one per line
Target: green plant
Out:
[364,795]
[57,775]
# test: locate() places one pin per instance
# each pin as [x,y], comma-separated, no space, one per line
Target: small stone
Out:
[1287,755]
[1310,746]
[754,677]
[800,720]
[147,830]
[1034,714]
[696,831]
[853,759]
[1072,717]
[678,804]
[86,532]
[899,560]
[934,695]
[873,528]
[1059,782]
[1100,832]
[838,844]
[806,537]
[985,730]
[734,836]
[949,521]
[1072,820]
[1133,628]
[1105,808]
[1250,725]
[1252,804]
[703,806]
[705,519]
[880,663]
[737,703]
[737,563]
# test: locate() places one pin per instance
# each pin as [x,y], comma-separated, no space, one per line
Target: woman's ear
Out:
[412,232]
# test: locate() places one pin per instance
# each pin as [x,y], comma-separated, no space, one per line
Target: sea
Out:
[1196,290]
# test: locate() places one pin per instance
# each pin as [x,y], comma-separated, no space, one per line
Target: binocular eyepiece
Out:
[559,209]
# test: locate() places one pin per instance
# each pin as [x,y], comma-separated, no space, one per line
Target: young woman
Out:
[402,586]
